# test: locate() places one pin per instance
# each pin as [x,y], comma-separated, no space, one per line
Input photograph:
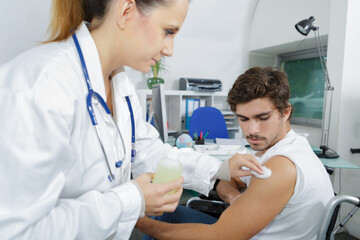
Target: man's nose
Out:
[254,127]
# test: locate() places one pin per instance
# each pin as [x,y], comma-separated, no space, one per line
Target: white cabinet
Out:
[175,107]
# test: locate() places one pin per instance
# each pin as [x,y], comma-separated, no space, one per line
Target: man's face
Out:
[262,124]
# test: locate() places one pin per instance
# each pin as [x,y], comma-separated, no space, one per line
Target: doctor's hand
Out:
[157,199]
[238,161]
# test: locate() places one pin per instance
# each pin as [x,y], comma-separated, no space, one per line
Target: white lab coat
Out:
[53,177]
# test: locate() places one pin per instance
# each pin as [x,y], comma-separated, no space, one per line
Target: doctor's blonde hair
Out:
[67,15]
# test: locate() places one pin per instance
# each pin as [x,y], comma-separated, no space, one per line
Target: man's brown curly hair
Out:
[268,82]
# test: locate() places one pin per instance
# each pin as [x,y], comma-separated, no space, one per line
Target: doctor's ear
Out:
[126,10]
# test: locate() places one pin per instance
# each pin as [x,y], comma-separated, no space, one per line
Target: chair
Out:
[326,231]
[212,205]
[206,119]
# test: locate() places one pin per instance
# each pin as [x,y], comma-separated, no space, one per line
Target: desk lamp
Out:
[304,27]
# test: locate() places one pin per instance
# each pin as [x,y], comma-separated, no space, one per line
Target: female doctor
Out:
[72,131]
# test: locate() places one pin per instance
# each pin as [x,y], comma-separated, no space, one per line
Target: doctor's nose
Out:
[168,49]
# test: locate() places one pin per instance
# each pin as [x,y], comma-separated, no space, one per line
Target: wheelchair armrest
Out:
[213,195]
[211,207]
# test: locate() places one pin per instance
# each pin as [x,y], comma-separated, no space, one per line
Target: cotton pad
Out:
[267,173]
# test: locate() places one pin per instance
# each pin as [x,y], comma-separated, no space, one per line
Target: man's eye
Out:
[264,118]
[243,119]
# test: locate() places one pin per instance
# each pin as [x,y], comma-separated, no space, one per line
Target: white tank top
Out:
[300,218]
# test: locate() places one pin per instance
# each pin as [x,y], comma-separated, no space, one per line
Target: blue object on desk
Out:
[191,106]
[208,119]
[184,141]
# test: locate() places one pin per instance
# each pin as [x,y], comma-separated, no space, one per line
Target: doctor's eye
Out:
[169,32]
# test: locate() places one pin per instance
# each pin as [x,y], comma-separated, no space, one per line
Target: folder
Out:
[191,105]
[188,111]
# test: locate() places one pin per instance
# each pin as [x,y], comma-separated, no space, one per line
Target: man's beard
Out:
[257,147]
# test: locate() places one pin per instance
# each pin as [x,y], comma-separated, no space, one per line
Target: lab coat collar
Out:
[122,85]
[92,59]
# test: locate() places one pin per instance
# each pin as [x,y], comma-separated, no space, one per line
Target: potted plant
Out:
[156,68]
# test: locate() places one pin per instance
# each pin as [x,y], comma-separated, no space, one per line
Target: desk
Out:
[216,152]
[338,163]
[334,162]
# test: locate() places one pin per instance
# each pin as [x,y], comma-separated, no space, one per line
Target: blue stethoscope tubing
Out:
[91,112]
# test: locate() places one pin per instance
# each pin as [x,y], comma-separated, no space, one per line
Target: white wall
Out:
[23,25]
[274,22]
[211,44]
[344,67]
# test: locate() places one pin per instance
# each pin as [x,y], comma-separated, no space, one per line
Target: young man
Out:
[287,205]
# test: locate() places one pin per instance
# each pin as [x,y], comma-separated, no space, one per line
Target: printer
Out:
[200,84]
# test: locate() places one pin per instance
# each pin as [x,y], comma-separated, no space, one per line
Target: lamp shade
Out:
[305,26]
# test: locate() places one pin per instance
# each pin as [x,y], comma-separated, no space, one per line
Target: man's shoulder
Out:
[282,178]
[281,164]
[291,147]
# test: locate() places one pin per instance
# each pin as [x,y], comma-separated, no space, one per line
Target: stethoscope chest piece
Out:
[118,164]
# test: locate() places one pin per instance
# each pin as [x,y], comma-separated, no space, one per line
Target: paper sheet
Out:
[229,141]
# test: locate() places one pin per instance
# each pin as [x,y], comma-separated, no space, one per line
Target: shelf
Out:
[175,107]
[184,93]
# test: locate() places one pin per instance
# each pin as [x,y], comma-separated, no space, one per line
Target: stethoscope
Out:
[92,94]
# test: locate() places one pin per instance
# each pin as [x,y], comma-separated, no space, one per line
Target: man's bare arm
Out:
[248,215]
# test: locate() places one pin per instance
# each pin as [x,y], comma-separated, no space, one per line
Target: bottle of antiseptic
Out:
[169,168]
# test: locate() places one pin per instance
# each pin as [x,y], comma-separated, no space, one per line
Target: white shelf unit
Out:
[175,108]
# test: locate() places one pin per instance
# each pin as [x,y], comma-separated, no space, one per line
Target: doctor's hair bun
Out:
[95,8]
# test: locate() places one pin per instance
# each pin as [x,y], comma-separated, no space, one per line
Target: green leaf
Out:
[158,67]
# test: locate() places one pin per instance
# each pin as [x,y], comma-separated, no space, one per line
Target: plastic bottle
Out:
[168,169]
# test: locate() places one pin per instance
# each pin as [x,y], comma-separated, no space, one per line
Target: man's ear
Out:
[126,11]
[287,112]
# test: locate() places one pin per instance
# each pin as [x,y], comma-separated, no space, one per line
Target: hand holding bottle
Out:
[167,170]
[157,199]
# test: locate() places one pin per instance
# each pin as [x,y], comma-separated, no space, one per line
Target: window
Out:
[306,80]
